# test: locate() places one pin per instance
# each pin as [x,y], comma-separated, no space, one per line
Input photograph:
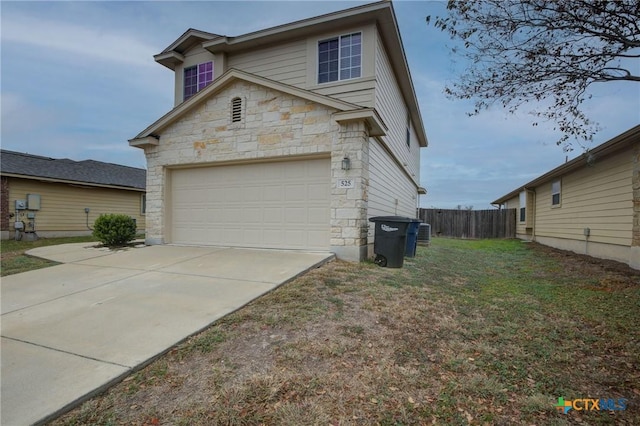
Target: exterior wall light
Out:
[346,163]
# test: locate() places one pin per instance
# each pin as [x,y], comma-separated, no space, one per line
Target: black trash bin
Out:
[412,238]
[390,240]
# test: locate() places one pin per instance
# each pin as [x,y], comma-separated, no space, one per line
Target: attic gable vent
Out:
[236,110]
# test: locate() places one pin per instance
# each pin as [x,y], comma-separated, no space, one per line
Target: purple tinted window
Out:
[196,78]
[190,82]
[205,74]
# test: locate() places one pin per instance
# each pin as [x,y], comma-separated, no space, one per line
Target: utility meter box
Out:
[21,204]
[33,201]
[19,226]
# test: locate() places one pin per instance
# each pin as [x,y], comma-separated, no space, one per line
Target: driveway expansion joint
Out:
[67,352]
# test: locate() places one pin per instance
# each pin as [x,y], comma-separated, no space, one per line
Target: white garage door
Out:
[269,205]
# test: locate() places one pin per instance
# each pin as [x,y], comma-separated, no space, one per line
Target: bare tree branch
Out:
[520,51]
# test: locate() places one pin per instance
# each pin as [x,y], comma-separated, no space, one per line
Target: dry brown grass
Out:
[466,333]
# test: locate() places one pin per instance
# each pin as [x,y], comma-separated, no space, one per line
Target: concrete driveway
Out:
[71,330]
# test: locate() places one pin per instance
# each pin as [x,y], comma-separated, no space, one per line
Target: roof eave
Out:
[142,139]
[367,12]
[169,59]
[73,182]
[605,149]
[370,116]
[188,39]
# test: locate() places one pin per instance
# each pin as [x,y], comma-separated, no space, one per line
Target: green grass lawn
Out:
[468,332]
[13,260]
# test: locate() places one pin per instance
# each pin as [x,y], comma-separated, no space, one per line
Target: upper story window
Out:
[555,193]
[196,78]
[340,58]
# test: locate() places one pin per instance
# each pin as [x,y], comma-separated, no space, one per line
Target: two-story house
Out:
[290,137]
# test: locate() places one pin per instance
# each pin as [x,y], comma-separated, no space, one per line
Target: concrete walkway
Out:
[71,330]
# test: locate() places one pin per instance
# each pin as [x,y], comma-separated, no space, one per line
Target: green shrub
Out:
[114,229]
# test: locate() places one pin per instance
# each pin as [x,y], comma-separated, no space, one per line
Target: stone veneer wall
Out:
[349,225]
[275,125]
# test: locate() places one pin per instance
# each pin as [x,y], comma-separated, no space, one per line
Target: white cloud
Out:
[73,39]
[14,110]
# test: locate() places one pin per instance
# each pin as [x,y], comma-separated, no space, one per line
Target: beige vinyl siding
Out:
[62,205]
[598,197]
[521,229]
[359,91]
[393,110]
[286,63]
[387,183]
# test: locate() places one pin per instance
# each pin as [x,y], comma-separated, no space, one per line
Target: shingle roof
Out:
[623,140]
[86,171]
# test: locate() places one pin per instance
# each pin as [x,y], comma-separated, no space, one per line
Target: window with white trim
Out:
[523,206]
[340,58]
[197,78]
[143,203]
[555,192]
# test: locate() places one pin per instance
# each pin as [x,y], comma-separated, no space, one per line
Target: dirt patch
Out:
[612,274]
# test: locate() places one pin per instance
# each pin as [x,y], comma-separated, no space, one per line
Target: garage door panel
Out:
[252,194]
[271,205]
[272,237]
[316,214]
[252,215]
[318,192]
[295,171]
[295,238]
[316,237]
[296,215]
[296,193]
[271,193]
[200,216]
[252,235]
[272,215]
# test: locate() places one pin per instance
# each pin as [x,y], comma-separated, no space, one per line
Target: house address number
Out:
[345,183]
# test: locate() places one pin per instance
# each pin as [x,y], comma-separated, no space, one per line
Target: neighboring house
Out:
[50,195]
[588,205]
[290,137]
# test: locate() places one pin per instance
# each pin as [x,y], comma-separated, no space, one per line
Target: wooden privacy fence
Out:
[470,223]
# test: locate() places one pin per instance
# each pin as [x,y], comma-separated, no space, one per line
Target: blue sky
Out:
[79,80]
